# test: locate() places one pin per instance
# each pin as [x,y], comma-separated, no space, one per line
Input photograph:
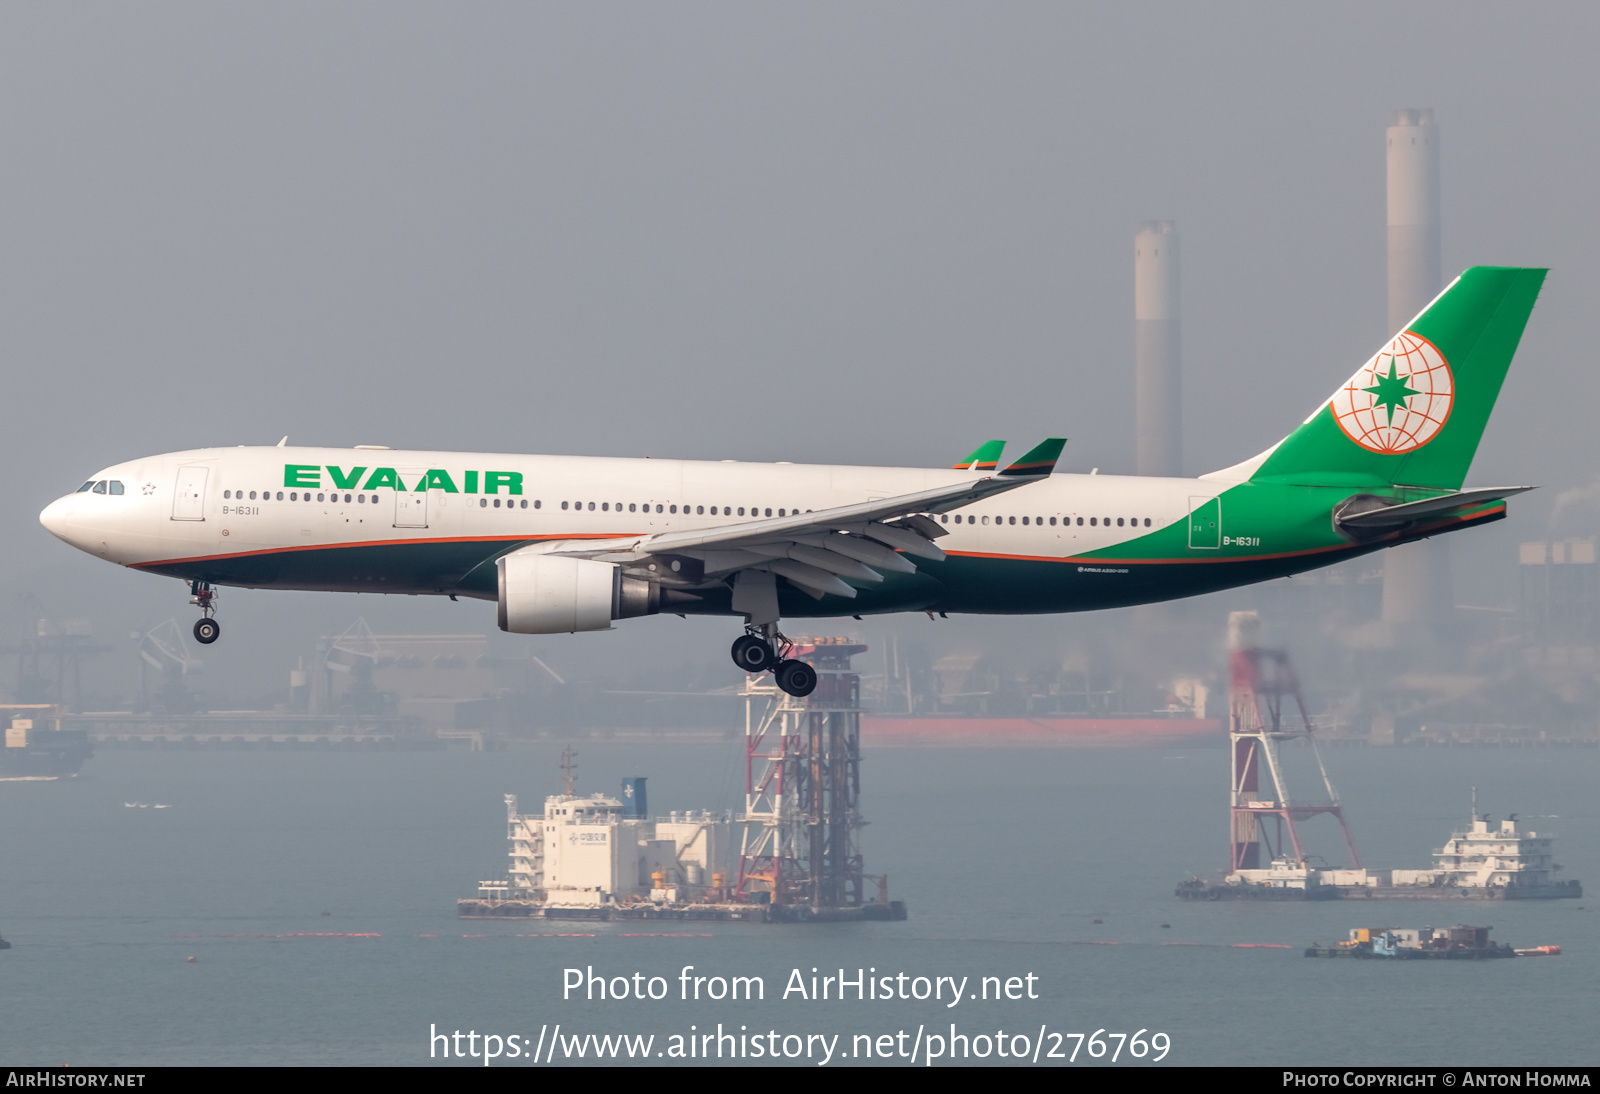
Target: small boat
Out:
[1411,943]
[4,945]
[1540,951]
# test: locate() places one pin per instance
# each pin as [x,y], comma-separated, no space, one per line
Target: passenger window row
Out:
[295,495]
[102,486]
[1094,522]
[359,499]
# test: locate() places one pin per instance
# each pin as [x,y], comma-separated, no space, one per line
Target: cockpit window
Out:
[116,486]
[86,486]
[100,487]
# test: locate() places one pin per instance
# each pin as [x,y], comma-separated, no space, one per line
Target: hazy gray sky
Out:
[812,232]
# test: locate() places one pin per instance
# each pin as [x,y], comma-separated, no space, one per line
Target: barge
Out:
[598,857]
[1484,861]
[1418,944]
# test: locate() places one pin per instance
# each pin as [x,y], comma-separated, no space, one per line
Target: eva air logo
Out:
[1399,400]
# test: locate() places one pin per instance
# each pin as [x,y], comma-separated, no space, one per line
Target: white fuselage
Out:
[185,508]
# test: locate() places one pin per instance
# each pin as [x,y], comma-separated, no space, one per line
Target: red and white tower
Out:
[1262,686]
[803,786]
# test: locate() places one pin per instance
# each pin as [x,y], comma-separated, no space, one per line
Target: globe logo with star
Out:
[1399,400]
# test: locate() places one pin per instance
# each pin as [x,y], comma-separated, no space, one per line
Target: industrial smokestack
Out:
[1417,589]
[1414,275]
[1157,382]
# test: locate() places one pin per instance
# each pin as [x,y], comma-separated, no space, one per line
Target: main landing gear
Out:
[206,629]
[762,649]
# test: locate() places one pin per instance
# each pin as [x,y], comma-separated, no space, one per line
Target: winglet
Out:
[984,458]
[1040,460]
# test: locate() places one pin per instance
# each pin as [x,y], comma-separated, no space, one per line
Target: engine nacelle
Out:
[554,594]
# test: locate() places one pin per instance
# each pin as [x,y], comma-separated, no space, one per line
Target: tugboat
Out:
[1404,944]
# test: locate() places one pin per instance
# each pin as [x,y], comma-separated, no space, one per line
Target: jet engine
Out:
[555,594]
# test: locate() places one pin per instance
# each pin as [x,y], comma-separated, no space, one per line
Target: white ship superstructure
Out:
[587,851]
[1485,861]
[1490,857]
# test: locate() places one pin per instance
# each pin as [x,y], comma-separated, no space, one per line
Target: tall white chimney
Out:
[1417,589]
[1414,275]
[1157,382]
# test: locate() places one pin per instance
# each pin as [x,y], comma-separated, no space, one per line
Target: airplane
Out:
[571,543]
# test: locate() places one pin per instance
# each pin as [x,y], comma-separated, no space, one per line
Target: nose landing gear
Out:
[763,649]
[206,629]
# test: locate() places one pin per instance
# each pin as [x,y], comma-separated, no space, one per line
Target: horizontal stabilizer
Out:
[1392,515]
[1040,460]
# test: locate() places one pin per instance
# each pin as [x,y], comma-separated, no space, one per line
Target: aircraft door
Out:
[1205,524]
[189,500]
[411,509]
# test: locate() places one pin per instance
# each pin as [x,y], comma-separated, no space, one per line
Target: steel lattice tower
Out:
[803,785]
[1263,688]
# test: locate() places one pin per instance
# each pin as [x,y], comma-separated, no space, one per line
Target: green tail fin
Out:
[983,458]
[1414,414]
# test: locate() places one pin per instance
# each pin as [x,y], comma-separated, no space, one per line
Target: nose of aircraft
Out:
[57,519]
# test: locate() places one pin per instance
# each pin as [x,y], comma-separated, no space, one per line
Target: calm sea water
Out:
[1005,858]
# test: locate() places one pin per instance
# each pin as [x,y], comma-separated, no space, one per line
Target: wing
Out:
[814,551]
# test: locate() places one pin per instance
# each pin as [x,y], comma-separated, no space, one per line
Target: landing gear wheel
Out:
[206,631]
[797,678]
[752,654]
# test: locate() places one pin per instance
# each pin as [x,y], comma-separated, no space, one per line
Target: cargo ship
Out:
[1072,709]
[37,748]
[1421,943]
[954,731]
